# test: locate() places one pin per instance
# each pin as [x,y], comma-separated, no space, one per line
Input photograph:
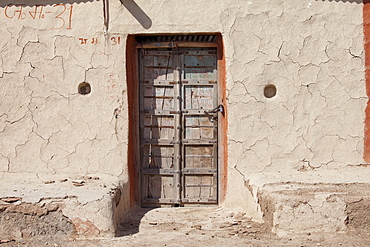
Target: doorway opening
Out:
[176,85]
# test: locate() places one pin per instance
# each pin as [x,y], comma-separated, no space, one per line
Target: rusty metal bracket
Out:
[106,14]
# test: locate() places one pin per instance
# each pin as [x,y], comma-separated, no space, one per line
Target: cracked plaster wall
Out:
[311,50]
[46,126]
[313,53]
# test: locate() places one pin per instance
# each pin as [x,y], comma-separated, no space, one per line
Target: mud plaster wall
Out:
[46,126]
[311,50]
[314,56]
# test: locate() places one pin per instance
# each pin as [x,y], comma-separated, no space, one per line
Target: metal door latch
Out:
[219,108]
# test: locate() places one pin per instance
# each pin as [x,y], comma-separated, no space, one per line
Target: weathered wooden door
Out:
[178,126]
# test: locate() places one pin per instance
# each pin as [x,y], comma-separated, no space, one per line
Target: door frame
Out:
[132,79]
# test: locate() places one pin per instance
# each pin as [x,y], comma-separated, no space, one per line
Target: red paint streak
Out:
[85,228]
[70,17]
[133,102]
[224,120]
[366,20]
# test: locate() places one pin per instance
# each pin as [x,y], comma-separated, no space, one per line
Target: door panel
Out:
[158,156]
[198,157]
[200,64]
[158,97]
[198,127]
[159,188]
[199,188]
[158,127]
[158,65]
[198,97]
[178,130]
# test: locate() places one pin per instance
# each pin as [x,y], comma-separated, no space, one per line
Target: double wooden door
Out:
[178,126]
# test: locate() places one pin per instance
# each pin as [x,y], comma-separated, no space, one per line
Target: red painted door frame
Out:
[366,21]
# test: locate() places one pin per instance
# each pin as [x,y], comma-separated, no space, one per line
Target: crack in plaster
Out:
[353,55]
[241,174]
[8,160]
[58,198]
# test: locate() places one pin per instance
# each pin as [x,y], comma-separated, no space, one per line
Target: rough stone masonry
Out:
[66,154]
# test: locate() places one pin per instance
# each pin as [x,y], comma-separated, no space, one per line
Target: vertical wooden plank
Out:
[142,75]
[178,138]
[158,127]
[200,126]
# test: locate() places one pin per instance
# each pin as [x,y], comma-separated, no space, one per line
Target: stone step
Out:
[291,208]
[83,207]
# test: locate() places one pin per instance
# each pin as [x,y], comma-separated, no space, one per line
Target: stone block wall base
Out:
[88,207]
[293,208]
[27,220]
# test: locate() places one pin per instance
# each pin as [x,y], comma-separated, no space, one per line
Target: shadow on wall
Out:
[44,2]
[345,1]
[131,6]
[137,13]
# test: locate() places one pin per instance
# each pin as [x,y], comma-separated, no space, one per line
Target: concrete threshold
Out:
[208,221]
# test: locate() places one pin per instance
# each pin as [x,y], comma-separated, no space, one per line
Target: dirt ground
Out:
[197,227]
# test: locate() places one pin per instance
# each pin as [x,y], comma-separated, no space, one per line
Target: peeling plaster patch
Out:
[356,218]
[306,166]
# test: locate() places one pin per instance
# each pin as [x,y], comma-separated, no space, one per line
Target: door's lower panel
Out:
[199,188]
[159,188]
